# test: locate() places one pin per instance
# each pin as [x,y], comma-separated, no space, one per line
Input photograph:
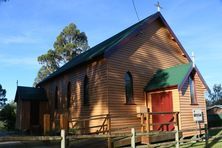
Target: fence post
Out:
[63,141]
[177,136]
[206,134]
[133,138]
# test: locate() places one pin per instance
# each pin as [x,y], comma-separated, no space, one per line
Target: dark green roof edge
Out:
[173,76]
[99,49]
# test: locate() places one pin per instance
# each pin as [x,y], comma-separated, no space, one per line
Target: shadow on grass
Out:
[216,140]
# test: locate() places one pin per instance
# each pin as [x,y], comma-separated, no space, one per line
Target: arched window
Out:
[129,88]
[56,98]
[86,91]
[68,95]
[192,89]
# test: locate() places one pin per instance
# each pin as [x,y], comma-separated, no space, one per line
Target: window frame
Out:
[129,93]
[68,95]
[56,99]
[86,91]
[193,97]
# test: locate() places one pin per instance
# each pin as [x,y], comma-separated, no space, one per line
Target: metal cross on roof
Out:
[158,6]
[193,59]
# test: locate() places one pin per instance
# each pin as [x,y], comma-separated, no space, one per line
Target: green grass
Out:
[217,143]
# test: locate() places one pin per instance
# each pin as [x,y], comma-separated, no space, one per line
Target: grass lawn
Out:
[217,143]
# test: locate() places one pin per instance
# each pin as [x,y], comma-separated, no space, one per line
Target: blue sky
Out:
[28,29]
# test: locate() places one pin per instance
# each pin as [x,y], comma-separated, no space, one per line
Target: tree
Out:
[69,43]
[42,73]
[216,95]
[8,116]
[2,96]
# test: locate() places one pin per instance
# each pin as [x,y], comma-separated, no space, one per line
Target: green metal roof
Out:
[100,49]
[172,76]
[30,94]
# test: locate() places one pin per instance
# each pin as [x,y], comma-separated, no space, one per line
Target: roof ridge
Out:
[98,49]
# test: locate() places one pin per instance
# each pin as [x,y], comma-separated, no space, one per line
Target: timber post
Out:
[142,122]
[148,125]
[109,130]
[148,120]
[177,136]
[46,127]
[176,118]
[63,121]
[63,141]
[133,138]
[206,135]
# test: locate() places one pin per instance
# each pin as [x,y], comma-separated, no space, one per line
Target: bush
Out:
[8,116]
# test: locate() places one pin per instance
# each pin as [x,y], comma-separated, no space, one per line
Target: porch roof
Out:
[173,76]
[30,94]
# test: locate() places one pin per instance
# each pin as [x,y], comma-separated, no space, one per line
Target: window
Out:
[192,90]
[56,98]
[129,88]
[86,91]
[68,95]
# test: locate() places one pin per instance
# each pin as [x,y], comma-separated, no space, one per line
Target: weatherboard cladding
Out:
[172,76]
[30,94]
[101,48]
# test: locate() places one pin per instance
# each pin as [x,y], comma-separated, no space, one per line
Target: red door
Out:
[162,102]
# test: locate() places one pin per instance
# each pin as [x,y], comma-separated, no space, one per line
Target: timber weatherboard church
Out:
[143,65]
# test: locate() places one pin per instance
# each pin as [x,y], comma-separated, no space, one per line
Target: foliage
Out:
[215,96]
[69,43]
[8,116]
[42,73]
[2,96]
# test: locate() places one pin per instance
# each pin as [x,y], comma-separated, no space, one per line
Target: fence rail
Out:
[132,135]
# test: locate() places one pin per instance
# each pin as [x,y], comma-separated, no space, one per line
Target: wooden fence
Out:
[177,142]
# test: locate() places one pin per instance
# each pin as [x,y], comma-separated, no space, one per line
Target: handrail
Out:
[102,127]
[108,117]
[96,118]
[86,117]
[157,113]
[163,123]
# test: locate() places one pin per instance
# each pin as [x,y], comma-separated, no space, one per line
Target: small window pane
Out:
[56,98]
[192,91]
[68,94]
[129,88]
[86,91]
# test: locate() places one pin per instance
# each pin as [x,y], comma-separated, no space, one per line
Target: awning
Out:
[173,76]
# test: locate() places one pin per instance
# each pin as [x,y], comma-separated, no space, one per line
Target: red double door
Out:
[162,102]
